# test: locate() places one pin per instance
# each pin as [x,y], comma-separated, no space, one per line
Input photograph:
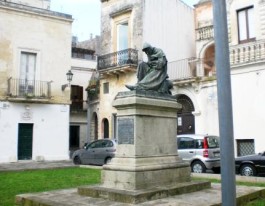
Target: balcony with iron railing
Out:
[205,33]
[118,61]
[28,89]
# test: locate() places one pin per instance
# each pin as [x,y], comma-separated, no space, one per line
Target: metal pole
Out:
[224,103]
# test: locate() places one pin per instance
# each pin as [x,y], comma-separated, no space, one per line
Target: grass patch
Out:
[20,182]
[258,202]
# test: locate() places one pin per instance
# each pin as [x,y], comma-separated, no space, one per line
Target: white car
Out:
[201,151]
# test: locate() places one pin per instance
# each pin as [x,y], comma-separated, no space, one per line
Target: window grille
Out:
[245,147]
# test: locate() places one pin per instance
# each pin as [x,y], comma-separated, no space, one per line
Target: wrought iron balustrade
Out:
[204,33]
[23,88]
[120,58]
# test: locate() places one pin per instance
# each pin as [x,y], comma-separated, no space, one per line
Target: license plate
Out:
[216,154]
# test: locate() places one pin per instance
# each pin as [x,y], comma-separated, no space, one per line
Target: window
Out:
[106,88]
[121,30]
[186,143]
[122,37]
[246,25]
[27,73]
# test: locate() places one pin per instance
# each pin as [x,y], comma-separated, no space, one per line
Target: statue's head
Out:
[147,48]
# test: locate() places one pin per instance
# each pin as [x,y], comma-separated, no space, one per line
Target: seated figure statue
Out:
[152,75]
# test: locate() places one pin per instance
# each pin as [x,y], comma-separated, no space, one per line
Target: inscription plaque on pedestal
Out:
[125,130]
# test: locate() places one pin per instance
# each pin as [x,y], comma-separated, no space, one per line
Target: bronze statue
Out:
[152,75]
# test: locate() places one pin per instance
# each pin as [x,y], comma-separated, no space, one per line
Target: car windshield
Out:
[213,142]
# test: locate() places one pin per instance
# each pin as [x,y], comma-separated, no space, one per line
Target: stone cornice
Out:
[34,10]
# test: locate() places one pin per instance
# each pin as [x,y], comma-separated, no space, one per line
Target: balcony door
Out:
[27,73]
[122,42]
[122,36]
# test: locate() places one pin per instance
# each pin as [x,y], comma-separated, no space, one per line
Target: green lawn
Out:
[13,183]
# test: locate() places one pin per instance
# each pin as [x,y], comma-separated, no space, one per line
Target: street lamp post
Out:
[69,76]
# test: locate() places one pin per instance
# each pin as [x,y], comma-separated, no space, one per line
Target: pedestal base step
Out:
[138,196]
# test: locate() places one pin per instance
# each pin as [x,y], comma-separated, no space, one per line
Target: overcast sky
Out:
[86,14]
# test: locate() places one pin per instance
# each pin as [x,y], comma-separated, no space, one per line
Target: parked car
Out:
[250,165]
[98,152]
[201,151]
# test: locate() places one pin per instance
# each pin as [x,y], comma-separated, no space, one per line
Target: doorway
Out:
[25,137]
[186,121]
[74,137]
[105,128]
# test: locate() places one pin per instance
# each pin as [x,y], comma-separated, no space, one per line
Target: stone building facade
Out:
[125,26]
[189,45]
[35,55]
[246,48]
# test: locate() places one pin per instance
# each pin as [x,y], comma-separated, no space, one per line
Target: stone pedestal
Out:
[146,165]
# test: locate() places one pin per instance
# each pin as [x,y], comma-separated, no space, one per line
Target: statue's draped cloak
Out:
[152,75]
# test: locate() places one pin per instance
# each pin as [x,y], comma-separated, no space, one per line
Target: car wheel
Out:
[77,160]
[107,160]
[198,167]
[248,170]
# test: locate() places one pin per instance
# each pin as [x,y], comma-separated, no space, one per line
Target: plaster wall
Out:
[84,64]
[50,130]
[116,84]
[259,10]
[203,15]
[37,34]
[48,35]
[43,4]
[169,25]
[248,98]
